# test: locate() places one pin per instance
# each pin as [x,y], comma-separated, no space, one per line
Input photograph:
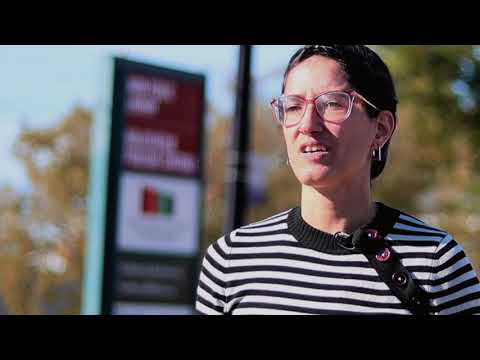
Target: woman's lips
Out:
[315,155]
[312,147]
[313,151]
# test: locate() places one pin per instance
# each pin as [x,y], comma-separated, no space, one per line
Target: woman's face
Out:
[345,148]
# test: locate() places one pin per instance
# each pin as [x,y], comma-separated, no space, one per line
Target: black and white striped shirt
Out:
[282,265]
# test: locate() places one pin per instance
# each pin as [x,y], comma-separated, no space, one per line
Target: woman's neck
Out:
[345,210]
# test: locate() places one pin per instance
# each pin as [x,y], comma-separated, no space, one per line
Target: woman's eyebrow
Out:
[343,89]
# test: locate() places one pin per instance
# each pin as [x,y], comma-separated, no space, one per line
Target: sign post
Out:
[237,167]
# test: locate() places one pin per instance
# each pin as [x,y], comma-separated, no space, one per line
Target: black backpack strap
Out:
[388,266]
[386,261]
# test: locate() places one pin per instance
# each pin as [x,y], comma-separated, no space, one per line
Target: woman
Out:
[340,252]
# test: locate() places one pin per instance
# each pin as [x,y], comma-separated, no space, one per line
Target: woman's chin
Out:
[316,178]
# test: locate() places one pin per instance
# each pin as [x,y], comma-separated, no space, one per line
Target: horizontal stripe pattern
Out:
[262,269]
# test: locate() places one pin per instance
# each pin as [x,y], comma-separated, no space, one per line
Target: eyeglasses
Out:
[332,106]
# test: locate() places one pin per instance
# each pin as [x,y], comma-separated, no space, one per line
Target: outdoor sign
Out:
[155,185]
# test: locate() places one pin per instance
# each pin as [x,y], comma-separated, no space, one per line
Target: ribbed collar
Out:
[313,238]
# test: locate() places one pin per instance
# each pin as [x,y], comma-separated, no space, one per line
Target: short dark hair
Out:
[366,72]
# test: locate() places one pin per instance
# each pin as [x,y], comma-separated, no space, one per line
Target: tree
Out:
[43,232]
[433,158]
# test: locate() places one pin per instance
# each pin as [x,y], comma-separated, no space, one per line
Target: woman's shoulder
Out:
[260,230]
[419,229]
[269,221]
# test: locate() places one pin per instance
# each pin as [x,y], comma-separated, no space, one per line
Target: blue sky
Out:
[39,84]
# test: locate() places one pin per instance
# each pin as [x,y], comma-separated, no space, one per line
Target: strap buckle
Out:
[344,240]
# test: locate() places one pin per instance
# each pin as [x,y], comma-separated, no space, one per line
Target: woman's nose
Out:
[311,122]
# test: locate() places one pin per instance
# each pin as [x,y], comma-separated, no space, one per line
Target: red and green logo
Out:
[155,202]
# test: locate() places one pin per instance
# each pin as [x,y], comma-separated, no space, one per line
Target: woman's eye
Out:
[294,108]
[334,104]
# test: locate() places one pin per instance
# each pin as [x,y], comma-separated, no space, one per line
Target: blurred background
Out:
[53,98]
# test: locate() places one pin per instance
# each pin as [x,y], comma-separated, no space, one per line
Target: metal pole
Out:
[237,166]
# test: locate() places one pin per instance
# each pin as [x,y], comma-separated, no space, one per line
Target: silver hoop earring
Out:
[287,162]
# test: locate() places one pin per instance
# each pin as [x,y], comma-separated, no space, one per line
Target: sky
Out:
[40,84]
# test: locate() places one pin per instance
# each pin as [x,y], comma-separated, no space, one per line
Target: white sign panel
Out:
[158,214]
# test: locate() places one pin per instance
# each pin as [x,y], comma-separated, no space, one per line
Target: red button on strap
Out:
[373,234]
[383,255]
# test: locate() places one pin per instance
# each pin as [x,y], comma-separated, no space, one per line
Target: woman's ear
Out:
[385,127]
